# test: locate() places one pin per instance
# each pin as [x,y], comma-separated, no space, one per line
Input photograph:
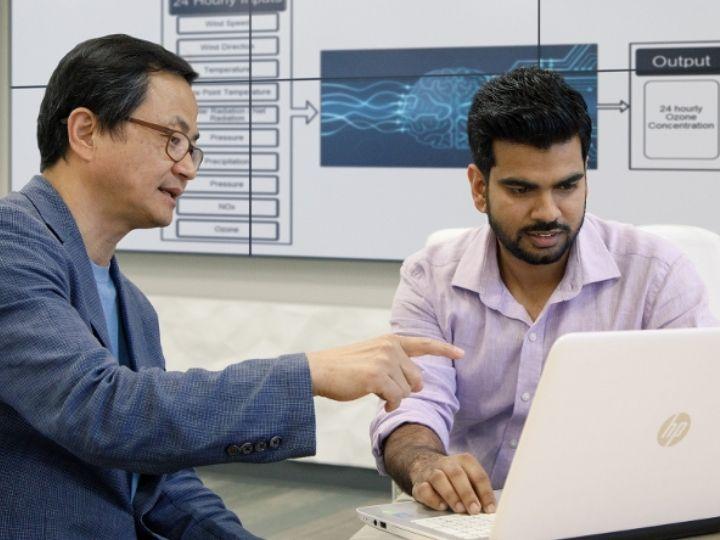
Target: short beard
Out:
[513,246]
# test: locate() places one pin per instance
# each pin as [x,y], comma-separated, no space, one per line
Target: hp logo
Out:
[674,429]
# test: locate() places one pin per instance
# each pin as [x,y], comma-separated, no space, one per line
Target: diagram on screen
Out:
[338,129]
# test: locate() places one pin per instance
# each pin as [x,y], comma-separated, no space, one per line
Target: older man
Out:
[96,439]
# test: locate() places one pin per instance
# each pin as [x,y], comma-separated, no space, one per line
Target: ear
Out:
[478,187]
[82,128]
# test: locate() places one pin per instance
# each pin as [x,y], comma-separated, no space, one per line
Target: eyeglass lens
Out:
[179,144]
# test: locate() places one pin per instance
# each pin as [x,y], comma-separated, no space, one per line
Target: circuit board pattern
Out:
[420,120]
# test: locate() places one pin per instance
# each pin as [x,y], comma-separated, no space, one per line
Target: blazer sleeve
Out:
[56,374]
[187,510]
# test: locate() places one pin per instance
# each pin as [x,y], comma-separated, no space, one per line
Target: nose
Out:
[545,208]
[185,168]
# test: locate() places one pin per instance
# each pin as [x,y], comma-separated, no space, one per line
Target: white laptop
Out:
[622,441]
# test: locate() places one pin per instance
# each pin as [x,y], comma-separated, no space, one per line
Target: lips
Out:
[172,193]
[544,239]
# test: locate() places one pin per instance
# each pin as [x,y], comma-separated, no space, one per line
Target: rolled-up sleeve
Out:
[414,314]
[678,298]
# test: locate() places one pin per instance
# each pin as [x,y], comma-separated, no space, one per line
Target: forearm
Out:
[410,448]
[156,422]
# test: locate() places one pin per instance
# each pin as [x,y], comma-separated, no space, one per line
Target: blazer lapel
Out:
[53,210]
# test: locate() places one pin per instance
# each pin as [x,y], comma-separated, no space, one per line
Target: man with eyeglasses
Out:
[96,438]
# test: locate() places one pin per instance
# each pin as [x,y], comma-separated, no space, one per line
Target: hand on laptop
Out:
[414,457]
[456,482]
[380,366]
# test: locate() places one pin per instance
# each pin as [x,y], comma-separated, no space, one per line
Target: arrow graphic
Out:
[621,106]
[309,112]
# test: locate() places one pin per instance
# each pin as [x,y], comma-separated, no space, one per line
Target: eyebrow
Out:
[184,127]
[521,182]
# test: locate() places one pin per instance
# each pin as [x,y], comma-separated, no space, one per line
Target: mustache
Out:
[545,226]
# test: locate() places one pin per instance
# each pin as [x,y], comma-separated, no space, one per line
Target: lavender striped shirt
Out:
[617,278]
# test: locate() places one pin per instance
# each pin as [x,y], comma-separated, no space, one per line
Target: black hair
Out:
[109,76]
[527,105]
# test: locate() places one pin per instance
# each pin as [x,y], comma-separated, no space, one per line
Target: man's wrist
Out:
[408,450]
[316,366]
[425,457]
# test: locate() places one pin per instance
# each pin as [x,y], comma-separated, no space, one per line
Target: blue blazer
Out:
[73,422]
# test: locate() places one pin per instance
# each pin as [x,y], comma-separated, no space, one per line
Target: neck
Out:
[91,212]
[531,285]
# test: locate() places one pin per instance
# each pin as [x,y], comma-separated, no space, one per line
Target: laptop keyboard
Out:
[460,525]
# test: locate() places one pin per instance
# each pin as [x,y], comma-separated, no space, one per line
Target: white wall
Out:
[4,96]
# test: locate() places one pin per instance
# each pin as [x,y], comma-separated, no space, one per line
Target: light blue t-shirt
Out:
[111,310]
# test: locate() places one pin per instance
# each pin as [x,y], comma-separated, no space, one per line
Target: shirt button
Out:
[532,337]
[525,396]
[513,443]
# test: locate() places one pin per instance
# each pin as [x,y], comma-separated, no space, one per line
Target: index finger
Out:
[419,346]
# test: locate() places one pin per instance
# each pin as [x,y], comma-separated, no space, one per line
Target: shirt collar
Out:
[589,262]
[478,270]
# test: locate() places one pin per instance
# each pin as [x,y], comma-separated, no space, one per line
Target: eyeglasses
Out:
[178,143]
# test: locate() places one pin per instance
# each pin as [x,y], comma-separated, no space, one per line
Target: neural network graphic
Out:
[413,113]
[433,110]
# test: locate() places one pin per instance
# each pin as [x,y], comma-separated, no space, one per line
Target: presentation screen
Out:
[337,128]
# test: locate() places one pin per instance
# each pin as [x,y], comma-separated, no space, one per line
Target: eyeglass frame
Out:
[170,132]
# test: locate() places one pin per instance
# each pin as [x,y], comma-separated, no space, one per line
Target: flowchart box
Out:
[227,137]
[233,184]
[228,23]
[219,70]
[681,119]
[211,93]
[675,106]
[219,47]
[236,114]
[227,207]
[225,230]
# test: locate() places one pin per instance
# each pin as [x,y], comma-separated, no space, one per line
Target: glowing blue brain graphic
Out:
[434,111]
